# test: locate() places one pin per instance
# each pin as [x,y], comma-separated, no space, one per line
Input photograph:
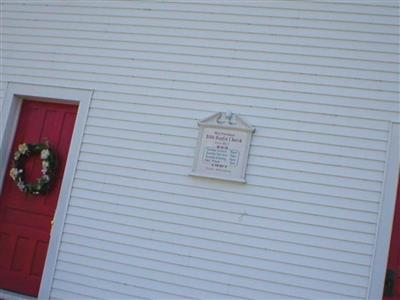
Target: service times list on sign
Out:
[221,157]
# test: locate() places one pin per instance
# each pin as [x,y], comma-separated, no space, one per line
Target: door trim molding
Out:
[9,115]
[386,215]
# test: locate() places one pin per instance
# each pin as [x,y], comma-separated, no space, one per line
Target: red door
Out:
[25,220]
[393,275]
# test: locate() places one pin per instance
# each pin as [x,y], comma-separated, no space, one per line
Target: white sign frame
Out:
[229,132]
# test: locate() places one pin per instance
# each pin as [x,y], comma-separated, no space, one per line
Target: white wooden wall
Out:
[318,80]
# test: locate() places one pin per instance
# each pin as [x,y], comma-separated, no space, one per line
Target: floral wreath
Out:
[49,166]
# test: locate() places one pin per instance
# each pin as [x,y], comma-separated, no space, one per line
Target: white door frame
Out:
[9,114]
[385,218]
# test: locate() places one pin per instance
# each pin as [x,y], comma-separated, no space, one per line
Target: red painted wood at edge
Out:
[25,219]
[394,253]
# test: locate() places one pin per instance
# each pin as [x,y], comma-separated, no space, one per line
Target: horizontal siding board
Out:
[253,169]
[340,181]
[358,194]
[327,196]
[302,105]
[318,116]
[369,170]
[287,119]
[204,271]
[370,8]
[125,223]
[268,73]
[249,207]
[202,60]
[367,154]
[386,8]
[218,279]
[168,280]
[199,50]
[277,137]
[74,286]
[150,249]
[159,251]
[276,157]
[366,139]
[125,115]
[220,15]
[61,291]
[259,45]
[96,288]
[173,243]
[299,106]
[185,48]
[183,114]
[190,88]
[244,225]
[226,190]
[271,35]
[281,144]
[266,114]
[253,215]
[147,253]
[194,81]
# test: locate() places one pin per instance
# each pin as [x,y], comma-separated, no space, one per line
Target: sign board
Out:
[222,147]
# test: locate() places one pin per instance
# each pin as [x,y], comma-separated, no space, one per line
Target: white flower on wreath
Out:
[45,166]
[17,155]
[44,154]
[23,148]
[13,173]
[46,178]
[21,185]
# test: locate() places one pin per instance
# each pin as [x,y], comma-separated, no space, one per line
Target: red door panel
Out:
[25,220]
[394,253]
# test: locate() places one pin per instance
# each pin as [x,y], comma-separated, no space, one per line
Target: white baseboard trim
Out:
[7,295]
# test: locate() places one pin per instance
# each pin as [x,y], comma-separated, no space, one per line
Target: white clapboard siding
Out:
[268,73]
[216,43]
[318,80]
[201,61]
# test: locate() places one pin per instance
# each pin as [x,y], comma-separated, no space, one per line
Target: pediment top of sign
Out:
[226,120]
